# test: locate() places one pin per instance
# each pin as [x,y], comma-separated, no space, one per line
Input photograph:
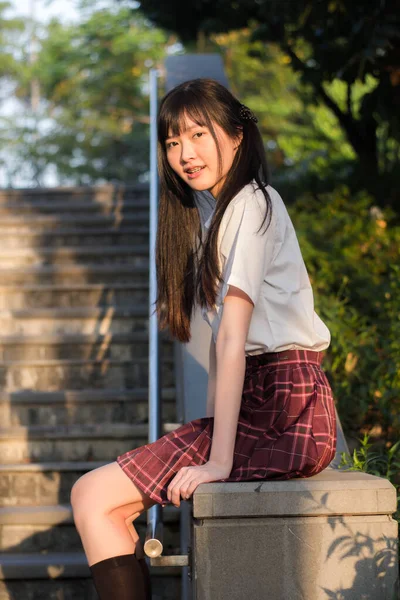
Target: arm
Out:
[230,371]
[211,380]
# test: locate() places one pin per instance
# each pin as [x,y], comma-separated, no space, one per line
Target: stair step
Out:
[81,374]
[81,396]
[17,297]
[101,441]
[75,236]
[75,274]
[65,575]
[42,483]
[86,320]
[108,255]
[43,207]
[69,407]
[84,251]
[114,346]
[36,529]
[99,194]
[33,484]
[61,514]
[21,224]
[78,432]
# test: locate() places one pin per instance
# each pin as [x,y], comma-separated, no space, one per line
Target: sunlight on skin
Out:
[195,147]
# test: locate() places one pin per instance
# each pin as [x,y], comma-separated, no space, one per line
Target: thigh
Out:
[108,489]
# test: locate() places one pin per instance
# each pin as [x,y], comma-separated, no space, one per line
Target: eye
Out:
[199,133]
[168,145]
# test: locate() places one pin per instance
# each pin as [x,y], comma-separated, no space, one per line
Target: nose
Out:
[187,152]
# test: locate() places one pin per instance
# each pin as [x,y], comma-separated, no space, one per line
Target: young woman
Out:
[270,409]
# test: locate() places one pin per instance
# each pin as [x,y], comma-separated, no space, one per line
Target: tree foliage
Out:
[352,252]
[325,41]
[302,139]
[92,122]
[8,28]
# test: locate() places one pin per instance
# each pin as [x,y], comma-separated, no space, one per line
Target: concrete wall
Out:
[330,536]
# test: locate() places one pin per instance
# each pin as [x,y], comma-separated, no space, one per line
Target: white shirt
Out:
[269,268]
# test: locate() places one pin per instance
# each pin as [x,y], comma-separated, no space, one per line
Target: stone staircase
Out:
[74,375]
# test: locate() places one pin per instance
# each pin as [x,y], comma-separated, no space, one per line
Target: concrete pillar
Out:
[327,536]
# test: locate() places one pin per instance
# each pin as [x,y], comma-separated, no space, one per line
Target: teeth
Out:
[195,170]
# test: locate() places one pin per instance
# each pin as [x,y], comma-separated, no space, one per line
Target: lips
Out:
[193,170]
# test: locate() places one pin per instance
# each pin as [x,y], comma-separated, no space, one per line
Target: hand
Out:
[188,478]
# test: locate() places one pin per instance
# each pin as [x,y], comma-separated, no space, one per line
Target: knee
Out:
[81,501]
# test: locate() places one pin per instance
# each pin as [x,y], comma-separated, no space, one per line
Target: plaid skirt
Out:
[286,428]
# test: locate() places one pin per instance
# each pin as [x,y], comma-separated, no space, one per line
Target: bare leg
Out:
[105,502]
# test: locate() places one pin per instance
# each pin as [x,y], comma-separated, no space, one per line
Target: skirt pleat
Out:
[286,428]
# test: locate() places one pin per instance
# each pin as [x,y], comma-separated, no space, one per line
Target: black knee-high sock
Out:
[146,577]
[119,578]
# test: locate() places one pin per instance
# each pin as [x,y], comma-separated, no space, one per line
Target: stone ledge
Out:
[331,492]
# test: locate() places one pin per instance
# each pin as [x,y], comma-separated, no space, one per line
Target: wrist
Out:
[222,464]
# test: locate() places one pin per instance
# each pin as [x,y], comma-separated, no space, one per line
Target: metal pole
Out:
[153,545]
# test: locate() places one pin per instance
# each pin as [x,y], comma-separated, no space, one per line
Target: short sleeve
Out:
[245,249]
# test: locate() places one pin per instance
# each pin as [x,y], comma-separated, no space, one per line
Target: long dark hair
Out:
[188,271]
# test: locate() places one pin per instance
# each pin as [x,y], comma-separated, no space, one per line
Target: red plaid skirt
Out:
[286,428]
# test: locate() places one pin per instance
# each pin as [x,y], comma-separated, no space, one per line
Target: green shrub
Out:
[352,252]
[382,462]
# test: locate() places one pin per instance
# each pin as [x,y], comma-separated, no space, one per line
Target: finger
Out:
[185,489]
[179,475]
[193,485]
[176,487]
[188,487]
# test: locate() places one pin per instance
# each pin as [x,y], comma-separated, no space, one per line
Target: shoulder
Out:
[248,198]
[251,199]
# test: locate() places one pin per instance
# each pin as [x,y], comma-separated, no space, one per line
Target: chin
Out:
[200,187]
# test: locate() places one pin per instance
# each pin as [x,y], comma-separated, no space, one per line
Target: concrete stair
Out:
[38,528]
[74,375]
[33,407]
[42,222]
[83,295]
[40,207]
[128,254]
[84,273]
[74,236]
[87,320]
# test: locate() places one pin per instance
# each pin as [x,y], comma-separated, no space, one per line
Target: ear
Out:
[239,138]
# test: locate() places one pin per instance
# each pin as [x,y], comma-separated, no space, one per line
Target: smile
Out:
[194,172]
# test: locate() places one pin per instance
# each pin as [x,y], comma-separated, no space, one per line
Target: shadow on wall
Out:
[292,541]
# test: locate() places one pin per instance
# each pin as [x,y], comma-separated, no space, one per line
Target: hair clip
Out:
[245,114]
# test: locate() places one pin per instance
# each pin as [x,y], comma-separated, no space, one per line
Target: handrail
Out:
[153,545]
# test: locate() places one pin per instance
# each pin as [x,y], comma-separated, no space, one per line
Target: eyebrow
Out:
[189,129]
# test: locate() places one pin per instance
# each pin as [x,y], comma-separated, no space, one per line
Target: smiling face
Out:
[193,155]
